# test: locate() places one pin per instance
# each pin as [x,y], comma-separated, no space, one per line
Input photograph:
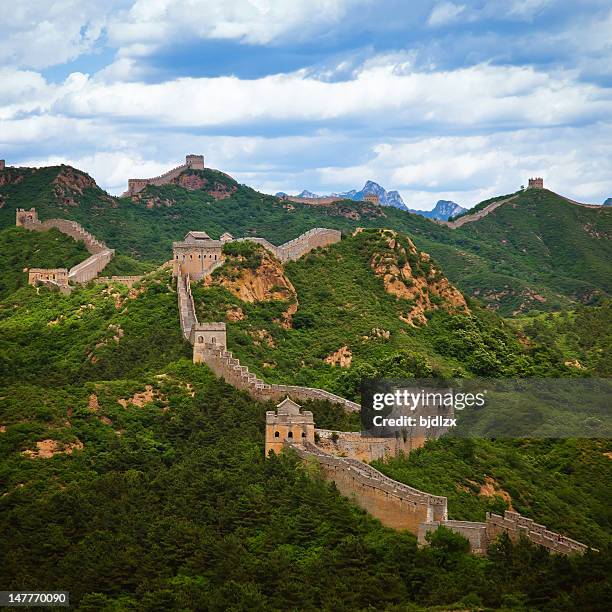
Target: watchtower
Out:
[372,198]
[288,425]
[197,255]
[195,162]
[536,183]
[2,165]
[23,216]
[208,333]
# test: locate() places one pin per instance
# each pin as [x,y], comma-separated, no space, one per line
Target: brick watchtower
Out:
[288,425]
[195,162]
[536,183]
[2,164]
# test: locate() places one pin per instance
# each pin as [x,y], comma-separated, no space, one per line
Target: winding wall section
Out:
[87,269]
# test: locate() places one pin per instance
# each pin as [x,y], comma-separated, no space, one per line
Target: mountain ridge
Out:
[443,210]
[507,266]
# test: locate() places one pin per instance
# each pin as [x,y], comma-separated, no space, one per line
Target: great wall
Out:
[199,255]
[193,162]
[341,456]
[83,272]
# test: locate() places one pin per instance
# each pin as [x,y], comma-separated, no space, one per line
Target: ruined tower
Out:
[23,216]
[536,183]
[372,198]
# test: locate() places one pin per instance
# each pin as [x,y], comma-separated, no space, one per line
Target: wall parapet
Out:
[516,525]
[136,185]
[84,271]
[297,247]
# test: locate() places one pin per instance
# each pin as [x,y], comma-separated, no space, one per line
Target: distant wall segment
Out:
[84,271]
[194,162]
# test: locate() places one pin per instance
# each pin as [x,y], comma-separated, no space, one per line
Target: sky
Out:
[437,99]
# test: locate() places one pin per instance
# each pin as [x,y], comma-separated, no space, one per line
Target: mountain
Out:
[539,252]
[386,198]
[608,202]
[307,194]
[109,433]
[442,211]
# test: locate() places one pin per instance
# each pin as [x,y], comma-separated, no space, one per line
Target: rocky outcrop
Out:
[266,282]
[412,276]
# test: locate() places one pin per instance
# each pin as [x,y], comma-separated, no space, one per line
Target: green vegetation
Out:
[538,252]
[564,483]
[169,504]
[21,249]
[342,303]
[158,496]
[96,333]
[579,338]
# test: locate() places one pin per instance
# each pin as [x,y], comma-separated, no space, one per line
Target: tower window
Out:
[277,434]
[303,434]
[290,434]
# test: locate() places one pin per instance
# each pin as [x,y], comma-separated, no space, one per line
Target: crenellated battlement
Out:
[194,162]
[535,183]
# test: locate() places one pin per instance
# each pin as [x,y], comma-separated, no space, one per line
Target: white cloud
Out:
[478,97]
[154,22]
[444,13]
[468,169]
[39,33]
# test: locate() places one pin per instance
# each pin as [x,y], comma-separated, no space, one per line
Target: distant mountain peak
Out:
[608,202]
[443,210]
[307,194]
[386,198]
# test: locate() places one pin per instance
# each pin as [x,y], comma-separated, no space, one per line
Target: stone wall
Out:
[129,281]
[475,533]
[324,201]
[187,314]
[191,161]
[477,215]
[296,248]
[88,269]
[516,526]
[223,363]
[84,271]
[395,504]
[481,535]
[355,446]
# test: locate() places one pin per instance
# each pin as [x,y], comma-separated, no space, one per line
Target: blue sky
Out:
[437,99]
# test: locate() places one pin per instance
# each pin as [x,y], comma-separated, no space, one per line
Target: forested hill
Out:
[537,252]
[137,481]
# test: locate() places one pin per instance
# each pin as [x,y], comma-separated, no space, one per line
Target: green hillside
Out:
[538,252]
[157,491]
[341,304]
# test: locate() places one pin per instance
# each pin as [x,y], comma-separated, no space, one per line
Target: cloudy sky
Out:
[437,99]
